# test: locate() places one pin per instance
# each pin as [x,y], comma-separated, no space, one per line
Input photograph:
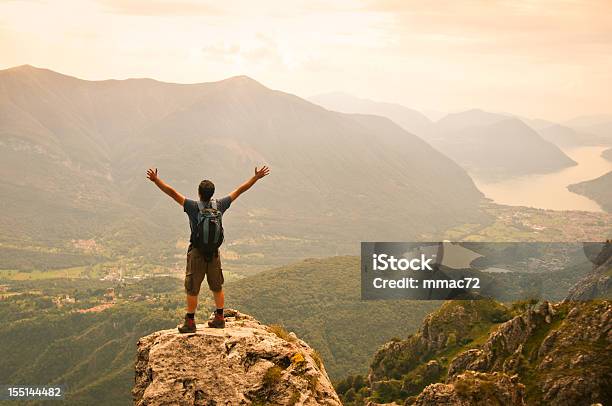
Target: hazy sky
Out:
[550,59]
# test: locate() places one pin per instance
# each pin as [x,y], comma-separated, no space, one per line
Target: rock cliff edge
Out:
[245,363]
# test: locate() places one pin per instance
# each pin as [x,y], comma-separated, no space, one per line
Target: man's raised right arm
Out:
[164,187]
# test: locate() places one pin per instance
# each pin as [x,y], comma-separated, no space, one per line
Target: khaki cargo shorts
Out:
[198,268]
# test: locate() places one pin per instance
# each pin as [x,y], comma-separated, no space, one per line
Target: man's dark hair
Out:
[206,190]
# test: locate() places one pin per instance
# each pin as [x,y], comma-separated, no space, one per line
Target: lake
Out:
[549,191]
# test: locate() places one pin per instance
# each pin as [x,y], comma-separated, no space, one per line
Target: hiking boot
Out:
[217,322]
[189,326]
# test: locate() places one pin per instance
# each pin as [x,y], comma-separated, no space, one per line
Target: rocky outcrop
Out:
[598,283]
[548,353]
[562,352]
[504,345]
[573,362]
[443,329]
[473,389]
[245,363]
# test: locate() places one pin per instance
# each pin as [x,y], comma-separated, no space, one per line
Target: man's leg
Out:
[189,325]
[192,303]
[218,321]
[194,275]
[214,276]
[219,299]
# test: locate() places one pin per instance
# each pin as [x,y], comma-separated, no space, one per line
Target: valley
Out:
[319,299]
[92,257]
[550,191]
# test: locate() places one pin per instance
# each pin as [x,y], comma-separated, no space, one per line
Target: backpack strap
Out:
[206,224]
[202,207]
[213,204]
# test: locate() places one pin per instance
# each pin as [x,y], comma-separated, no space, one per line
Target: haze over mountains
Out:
[568,137]
[409,119]
[580,131]
[599,126]
[76,151]
[489,145]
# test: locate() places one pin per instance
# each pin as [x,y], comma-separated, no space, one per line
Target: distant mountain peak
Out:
[23,67]
[27,69]
[475,110]
[241,80]
[34,71]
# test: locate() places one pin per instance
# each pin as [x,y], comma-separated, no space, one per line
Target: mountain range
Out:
[75,151]
[410,120]
[489,145]
[495,146]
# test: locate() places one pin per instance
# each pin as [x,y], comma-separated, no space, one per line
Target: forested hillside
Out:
[92,352]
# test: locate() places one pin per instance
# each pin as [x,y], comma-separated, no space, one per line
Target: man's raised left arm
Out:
[259,173]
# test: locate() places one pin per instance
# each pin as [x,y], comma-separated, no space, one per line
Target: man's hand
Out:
[167,189]
[260,173]
[152,174]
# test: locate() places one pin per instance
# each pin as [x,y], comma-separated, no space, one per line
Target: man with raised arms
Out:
[203,258]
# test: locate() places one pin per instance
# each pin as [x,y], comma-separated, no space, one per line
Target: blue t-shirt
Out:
[191,208]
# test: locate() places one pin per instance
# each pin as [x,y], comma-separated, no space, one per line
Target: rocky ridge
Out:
[474,388]
[482,352]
